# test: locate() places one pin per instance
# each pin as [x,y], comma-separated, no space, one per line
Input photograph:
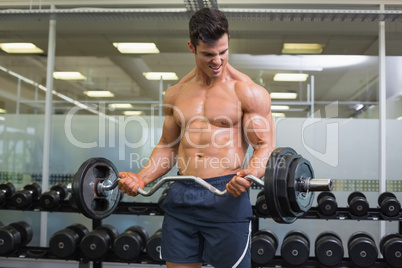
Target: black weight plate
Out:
[295,248]
[91,172]
[391,249]
[299,200]
[263,247]
[127,246]
[25,231]
[390,206]
[384,195]
[141,232]
[61,189]
[154,246]
[282,186]
[362,249]
[355,194]
[329,249]
[327,234]
[8,189]
[261,205]
[327,204]
[359,206]
[271,186]
[63,244]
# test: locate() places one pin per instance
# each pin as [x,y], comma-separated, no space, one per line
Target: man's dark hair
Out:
[208,25]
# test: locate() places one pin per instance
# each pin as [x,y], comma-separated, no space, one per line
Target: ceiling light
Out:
[2,111]
[284,95]
[279,107]
[99,93]
[136,48]
[278,114]
[120,105]
[159,75]
[69,76]
[358,106]
[290,77]
[21,48]
[399,118]
[132,112]
[302,48]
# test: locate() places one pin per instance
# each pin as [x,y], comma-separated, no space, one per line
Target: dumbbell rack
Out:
[152,209]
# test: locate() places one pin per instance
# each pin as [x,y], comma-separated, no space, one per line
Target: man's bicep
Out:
[170,132]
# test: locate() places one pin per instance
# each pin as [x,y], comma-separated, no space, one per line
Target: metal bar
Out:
[48,121]
[382,112]
[17,110]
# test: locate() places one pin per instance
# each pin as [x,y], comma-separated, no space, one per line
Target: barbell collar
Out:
[315,185]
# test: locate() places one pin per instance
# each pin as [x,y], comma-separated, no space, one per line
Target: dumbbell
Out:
[389,204]
[327,204]
[391,249]
[295,248]
[362,249]
[13,236]
[328,248]
[25,196]
[96,244]
[51,199]
[154,246]
[129,244]
[358,204]
[7,189]
[64,243]
[263,247]
[261,204]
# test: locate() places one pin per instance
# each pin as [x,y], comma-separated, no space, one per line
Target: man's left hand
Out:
[238,184]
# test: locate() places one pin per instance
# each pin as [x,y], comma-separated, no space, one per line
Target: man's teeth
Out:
[215,68]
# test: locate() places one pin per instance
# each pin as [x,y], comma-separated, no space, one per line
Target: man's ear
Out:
[191,46]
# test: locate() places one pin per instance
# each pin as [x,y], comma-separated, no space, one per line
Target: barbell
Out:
[288,184]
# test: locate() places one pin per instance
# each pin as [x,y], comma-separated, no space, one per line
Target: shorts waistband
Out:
[214,181]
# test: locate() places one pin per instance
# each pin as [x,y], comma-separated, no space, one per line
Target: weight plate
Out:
[271,185]
[362,249]
[282,184]
[261,205]
[127,246]
[263,247]
[299,170]
[154,246]
[327,204]
[328,248]
[63,244]
[355,194]
[391,249]
[88,202]
[384,195]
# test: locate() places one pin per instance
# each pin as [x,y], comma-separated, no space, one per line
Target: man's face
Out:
[212,59]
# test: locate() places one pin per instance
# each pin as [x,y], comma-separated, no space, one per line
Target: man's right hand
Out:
[129,183]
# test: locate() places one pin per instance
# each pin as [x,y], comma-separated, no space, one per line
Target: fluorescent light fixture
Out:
[132,112]
[120,105]
[159,75]
[136,48]
[99,93]
[290,77]
[2,111]
[399,118]
[284,95]
[20,48]
[69,76]
[278,115]
[302,48]
[279,107]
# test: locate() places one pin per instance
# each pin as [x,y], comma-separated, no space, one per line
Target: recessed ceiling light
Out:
[399,118]
[20,48]
[284,95]
[99,93]
[279,107]
[302,48]
[120,105]
[159,75]
[136,48]
[132,112]
[3,111]
[290,77]
[69,76]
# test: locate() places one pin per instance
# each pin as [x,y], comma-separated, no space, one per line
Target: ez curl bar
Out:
[289,186]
